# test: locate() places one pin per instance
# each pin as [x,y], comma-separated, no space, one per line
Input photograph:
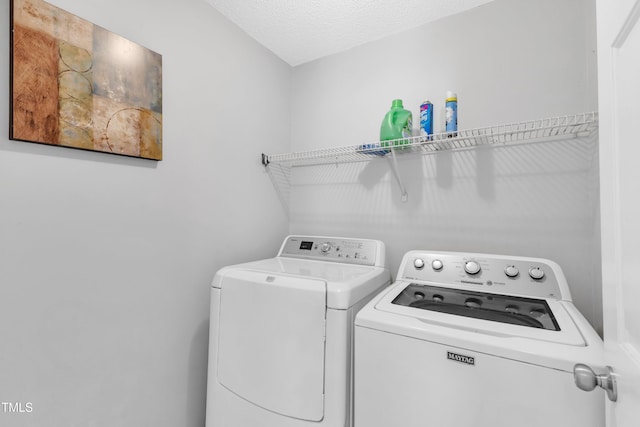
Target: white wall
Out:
[106,261]
[509,61]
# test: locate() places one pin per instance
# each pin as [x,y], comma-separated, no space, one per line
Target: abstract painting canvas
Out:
[75,84]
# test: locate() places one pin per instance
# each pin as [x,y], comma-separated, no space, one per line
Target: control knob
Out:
[536,273]
[418,263]
[437,265]
[326,247]
[472,267]
[511,271]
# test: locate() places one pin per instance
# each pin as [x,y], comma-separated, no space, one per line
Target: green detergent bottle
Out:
[397,124]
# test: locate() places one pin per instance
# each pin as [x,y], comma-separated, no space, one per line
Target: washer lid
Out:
[346,284]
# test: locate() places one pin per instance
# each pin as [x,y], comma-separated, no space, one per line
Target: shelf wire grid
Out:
[548,129]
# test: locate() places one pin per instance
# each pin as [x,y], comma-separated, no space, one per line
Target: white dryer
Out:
[281,333]
[463,340]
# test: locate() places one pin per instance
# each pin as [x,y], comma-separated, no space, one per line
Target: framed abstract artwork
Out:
[75,84]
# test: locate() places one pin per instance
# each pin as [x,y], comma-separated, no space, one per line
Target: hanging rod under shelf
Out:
[562,127]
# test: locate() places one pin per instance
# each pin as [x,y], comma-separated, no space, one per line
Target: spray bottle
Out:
[451,111]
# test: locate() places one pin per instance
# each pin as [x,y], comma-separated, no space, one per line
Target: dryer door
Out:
[271,343]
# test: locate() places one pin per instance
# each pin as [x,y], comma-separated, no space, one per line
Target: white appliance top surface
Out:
[567,332]
[331,272]
[482,282]
[346,283]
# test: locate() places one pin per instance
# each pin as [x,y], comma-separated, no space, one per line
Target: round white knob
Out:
[326,247]
[511,271]
[418,263]
[536,273]
[472,267]
[437,265]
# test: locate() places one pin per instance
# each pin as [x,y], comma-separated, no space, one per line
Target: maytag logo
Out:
[468,360]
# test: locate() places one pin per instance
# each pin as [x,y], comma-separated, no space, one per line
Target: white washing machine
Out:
[462,340]
[281,333]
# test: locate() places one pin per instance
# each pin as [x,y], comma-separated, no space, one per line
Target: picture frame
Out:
[78,85]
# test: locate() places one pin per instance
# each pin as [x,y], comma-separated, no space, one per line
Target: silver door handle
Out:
[586,379]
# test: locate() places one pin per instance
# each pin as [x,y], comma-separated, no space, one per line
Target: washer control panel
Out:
[531,277]
[351,251]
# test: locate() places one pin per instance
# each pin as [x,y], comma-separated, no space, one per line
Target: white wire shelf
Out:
[564,127]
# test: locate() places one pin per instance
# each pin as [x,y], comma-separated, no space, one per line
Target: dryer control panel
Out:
[510,275]
[345,250]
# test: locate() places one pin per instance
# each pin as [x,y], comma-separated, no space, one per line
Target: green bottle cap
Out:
[397,103]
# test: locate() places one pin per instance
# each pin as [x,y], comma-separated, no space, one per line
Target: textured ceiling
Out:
[300,31]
